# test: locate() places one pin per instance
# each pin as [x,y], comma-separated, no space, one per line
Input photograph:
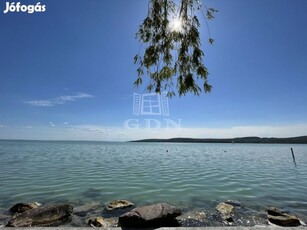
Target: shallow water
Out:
[194,176]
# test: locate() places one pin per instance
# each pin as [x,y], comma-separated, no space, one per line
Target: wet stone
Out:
[226,211]
[119,204]
[193,219]
[280,218]
[117,208]
[22,207]
[45,215]
[241,216]
[156,215]
[103,222]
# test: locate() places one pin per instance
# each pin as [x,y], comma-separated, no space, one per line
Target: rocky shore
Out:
[126,214]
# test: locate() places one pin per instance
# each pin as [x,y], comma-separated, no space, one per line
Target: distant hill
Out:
[264,140]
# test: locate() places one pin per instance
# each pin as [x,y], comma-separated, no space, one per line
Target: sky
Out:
[68,73]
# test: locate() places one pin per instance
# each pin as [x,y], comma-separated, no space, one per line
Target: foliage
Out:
[171,35]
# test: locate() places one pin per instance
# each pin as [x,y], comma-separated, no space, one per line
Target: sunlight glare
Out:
[176,25]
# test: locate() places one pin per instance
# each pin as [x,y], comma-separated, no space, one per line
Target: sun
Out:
[176,25]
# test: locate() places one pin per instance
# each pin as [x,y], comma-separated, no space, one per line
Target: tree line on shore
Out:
[263,140]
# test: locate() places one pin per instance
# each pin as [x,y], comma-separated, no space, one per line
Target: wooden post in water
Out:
[293,156]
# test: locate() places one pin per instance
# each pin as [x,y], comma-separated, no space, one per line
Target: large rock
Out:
[226,211]
[42,216]
[156,215]
[22,207]
[280,218]
[119,204]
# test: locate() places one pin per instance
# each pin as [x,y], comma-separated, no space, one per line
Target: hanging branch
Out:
[172,53]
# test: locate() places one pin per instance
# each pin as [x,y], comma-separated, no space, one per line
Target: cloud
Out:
[93,129]
[102,131]
[1,126]
[41,103]
[29,127]
[51,124]
[59,100]
[65,123]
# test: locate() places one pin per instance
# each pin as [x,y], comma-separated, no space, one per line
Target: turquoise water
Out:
[188,175]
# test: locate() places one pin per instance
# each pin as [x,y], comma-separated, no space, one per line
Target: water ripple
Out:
[187,174]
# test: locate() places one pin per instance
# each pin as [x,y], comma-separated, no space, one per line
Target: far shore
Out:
[247,140]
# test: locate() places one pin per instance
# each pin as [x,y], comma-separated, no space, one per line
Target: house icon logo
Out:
[150,104]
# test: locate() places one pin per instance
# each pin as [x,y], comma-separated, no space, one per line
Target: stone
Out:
[226,211]
[42,216]
[276,216]
[85,209]
[119,204]
[195,215]
[103,222]
[192,219]
[156,215]
[200,215]
[22,207]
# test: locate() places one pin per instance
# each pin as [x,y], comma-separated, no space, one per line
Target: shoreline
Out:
[236,140]
[238,216]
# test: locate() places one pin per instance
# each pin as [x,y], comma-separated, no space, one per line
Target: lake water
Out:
[188,175]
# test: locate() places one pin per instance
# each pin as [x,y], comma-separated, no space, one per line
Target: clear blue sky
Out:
[68,73]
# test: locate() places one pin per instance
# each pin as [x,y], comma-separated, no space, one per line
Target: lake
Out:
[193,176]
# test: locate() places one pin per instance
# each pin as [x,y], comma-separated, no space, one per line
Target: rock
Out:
[22,207]
[280,218]
[42,216]
[103,222]
[156,215]
[119,204]
[200,215]
[85,209]
[195,215]
[242,217]
[117,208]
[226,211]
[192,219]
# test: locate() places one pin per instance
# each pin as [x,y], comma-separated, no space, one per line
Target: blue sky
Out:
[68,73]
